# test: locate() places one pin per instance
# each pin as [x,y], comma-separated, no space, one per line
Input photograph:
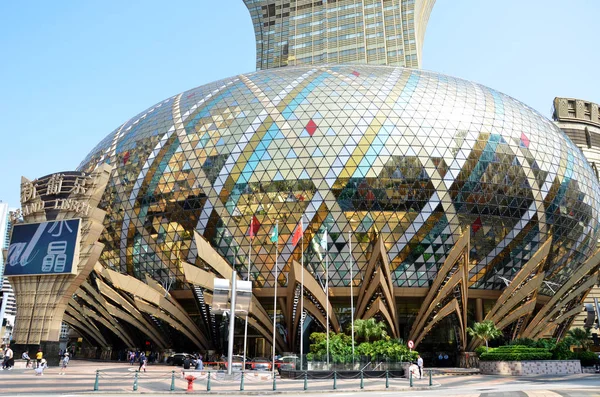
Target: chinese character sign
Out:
[43,248]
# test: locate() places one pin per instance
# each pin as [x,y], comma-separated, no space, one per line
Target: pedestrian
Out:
[142,361]
[8,359]
[4,359]
[63,364]
[39,371]
[25,356]
[199,363]
[420,364]
[186,362]
[39,356]
[11,360]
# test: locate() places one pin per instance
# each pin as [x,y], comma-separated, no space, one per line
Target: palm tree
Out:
[370,328]
[485,330]
[581,336]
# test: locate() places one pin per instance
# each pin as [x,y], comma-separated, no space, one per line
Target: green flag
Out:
[275,234]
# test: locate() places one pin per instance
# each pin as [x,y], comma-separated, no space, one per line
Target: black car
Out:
[178,358]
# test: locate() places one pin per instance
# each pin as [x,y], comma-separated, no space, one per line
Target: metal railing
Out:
[158,381]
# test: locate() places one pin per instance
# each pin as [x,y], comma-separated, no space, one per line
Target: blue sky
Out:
[72,71]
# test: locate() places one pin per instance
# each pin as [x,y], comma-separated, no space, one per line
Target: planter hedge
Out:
[587,358]
[516,353]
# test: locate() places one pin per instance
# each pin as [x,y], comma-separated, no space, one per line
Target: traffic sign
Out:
[411,344]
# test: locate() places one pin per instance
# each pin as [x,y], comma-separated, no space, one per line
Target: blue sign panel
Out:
[43,248]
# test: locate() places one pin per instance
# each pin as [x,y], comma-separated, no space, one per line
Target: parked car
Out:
[177,358]
[287,362]
[260,364]
[237,363]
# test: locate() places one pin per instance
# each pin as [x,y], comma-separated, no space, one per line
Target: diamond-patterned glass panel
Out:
[408,156]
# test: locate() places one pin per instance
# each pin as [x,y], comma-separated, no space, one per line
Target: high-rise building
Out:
[309,32]
[8,305]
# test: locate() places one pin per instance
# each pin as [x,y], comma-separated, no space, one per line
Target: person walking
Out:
[199,363]
[8,359]
[4,359]
[11,360]
[63,364]
[39,356]
[25,356]
[420,365]
[143,360]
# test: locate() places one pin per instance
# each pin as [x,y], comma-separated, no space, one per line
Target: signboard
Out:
[411,344]
[44,248]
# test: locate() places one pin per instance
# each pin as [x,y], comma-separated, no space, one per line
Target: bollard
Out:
[172,381]
[135,381]
[334,380]
[242,382]
[305,381]
[362,379]
[96,382]
[410,377]
[274,383]
[430,382]
[208,382]
[387,379]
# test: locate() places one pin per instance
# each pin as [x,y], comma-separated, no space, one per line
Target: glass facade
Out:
[406,156]
[309,32]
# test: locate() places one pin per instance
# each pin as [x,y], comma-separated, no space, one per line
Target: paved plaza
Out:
[119,378]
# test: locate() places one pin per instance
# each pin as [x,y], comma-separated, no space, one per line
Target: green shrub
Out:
[562,350]
[587,358]
[516,353]
[481,349]
[546,343]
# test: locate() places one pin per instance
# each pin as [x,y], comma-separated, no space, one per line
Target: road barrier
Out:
[248,381]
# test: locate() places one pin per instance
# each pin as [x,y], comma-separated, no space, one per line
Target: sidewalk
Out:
[121,377]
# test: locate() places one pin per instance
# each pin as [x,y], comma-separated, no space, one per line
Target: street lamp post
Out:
[231,323]
[241,294]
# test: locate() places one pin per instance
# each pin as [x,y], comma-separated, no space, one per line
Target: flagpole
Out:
[351,292]
[249,264]
[246,323]
[275,296]
[327,292]
[302,295]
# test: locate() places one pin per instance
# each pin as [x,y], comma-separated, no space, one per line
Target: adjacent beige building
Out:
[307,32]
[580,120]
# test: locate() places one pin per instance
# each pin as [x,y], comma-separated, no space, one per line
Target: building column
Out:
[478,310]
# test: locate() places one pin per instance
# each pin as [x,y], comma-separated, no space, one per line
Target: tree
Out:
[485,330]
[581,336]
[370,328]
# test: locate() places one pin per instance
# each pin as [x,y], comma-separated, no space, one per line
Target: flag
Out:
[324,240]
[297,234]
[254,225]
[275,234]
[316,247]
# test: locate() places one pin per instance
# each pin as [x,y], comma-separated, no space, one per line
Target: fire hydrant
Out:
[190,379]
